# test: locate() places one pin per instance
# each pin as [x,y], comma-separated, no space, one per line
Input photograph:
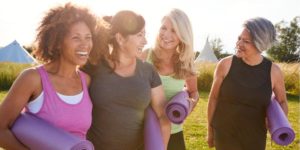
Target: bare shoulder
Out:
[223,66]
[30,75]
[226,61]
[27,83]
[275,69]
[276,73]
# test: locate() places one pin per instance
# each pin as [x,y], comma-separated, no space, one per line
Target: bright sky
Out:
[214,18]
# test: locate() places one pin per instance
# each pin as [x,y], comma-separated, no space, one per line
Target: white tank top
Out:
[35,105]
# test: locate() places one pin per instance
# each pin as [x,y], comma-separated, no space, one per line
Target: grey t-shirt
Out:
[119,104]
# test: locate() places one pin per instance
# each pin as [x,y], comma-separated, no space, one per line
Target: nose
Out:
[239,43]
[85,43]
[145,40]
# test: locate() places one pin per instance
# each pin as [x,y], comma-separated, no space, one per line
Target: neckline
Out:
[125,77]
[55,93]
[248,65]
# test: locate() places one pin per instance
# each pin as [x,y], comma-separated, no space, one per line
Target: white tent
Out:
[207,54]
[13,52]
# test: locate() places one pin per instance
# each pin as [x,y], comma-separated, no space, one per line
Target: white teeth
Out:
[82,53]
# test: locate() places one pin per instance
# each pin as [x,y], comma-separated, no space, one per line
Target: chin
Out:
[81,63]
[239,54]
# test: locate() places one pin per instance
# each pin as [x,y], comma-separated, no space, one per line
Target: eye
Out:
[163,28]
[88,38]
[247,41]
[75,38]
[173,31]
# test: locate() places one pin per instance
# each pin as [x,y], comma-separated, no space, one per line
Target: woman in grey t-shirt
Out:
[123,87]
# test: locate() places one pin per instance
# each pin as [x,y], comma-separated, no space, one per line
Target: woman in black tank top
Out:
[242,89]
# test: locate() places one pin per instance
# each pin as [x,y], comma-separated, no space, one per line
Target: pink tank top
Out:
[74,118]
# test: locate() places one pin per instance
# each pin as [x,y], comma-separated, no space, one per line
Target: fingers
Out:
[210,138]
[210,142]
[192,103]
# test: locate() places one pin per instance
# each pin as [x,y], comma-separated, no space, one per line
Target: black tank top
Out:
[244,96]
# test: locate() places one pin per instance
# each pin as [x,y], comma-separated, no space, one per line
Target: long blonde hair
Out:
[183,60]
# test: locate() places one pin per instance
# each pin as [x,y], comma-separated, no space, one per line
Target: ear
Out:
[119,39]
[59,46]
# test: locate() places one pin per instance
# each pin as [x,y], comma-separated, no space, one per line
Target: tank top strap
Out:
[234,60]
[83,81]
[268,65]
[47,88]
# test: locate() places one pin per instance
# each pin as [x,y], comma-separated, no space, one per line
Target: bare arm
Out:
[220,72]
[16,99]
[278,87]
[191,86]
[158,104]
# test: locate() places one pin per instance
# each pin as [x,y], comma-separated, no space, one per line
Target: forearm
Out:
[165,129]
[193,99]
[210,111]
[9,142]
[284,107]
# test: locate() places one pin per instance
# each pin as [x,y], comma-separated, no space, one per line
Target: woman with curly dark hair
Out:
[56,91]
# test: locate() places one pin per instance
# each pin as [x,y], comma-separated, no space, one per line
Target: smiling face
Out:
[77,44]
[245,46]
[168,38]
[134,44]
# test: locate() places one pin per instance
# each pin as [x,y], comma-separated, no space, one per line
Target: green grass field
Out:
[195,125]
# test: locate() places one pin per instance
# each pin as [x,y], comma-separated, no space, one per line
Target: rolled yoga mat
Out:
[38,134]
[279,127]
[178,107]
[152,134]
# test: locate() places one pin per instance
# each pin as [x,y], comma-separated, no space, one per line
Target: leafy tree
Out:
[217,47]
[29,48]
[289,41]
[196,54]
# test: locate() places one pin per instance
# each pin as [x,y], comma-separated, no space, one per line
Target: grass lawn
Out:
[195,125]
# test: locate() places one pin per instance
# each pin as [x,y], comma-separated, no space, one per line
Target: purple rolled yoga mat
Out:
[38,134]
[178,107]
[152,134]
[279,127]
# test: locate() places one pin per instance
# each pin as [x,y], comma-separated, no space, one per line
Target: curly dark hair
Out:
[56,24]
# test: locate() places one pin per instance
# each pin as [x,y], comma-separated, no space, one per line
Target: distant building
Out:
[13,52]
[207,54]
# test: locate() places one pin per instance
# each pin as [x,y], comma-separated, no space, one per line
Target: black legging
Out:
[176,141]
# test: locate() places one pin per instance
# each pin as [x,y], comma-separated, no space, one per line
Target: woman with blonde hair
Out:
[173,58]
